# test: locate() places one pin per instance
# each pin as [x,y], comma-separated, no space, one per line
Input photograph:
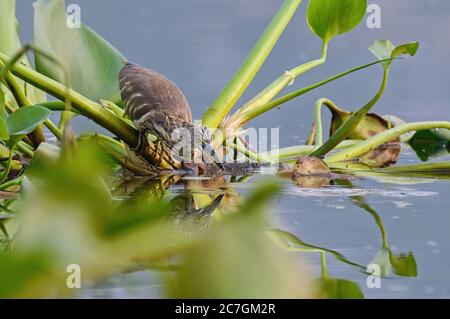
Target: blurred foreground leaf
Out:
[237,260]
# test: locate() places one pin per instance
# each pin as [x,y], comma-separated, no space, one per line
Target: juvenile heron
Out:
[157,106]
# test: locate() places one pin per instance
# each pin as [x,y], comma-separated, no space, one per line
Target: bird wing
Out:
[150,98]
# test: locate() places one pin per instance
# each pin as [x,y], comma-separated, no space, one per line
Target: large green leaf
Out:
[385,49]
[26,119]
[92,63]
[10,45]
[328,18]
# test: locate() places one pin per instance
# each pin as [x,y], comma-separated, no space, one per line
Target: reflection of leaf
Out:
[290,242]
[93,64]
[403,265]
[333,288]
[430,143]
[328,18]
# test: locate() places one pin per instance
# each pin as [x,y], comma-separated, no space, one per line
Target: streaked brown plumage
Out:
[156,105]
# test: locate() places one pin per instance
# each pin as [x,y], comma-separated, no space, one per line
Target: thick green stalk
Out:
[318,117]
[245,117]
[22,101]
[382,138]
[424,167]
[346,129]
[85,106]
[242,79]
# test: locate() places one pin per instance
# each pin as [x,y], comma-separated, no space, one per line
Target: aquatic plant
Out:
[73,203]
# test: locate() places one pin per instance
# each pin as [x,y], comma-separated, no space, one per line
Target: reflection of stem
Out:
[295,243]
[323,264]
[361,203]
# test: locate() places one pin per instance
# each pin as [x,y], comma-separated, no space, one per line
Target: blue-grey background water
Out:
[199,44]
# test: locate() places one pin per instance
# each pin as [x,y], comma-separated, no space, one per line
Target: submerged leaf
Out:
[328,18]
[431,143]
[92,63]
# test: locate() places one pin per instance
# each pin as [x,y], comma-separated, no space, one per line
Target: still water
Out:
[200,44]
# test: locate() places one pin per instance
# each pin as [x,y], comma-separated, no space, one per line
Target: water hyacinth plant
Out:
[118,224]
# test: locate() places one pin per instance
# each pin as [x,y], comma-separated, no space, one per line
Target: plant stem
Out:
[424,167]
[346,128]
[91,110]
[266,95]
[294,151]
[244,76]
[22,101]
[21,147]
[252,155]
[247,116]
[382,138]
[12,182]
[85,106]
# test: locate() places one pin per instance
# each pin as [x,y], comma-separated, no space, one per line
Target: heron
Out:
[157,106]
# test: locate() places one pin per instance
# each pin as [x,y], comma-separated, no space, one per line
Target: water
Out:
[200,43]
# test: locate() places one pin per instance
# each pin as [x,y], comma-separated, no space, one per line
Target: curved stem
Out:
[382,138]
[245,117]
[85,106]
[266,95]
[345,129]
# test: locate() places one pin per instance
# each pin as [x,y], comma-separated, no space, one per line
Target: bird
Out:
[157,106]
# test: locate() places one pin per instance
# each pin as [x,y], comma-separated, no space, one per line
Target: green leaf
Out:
[403,265]
[385,49]
[26,119]
[380,49]
[328,18]
[10,45]
[4,132]
[92,63]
